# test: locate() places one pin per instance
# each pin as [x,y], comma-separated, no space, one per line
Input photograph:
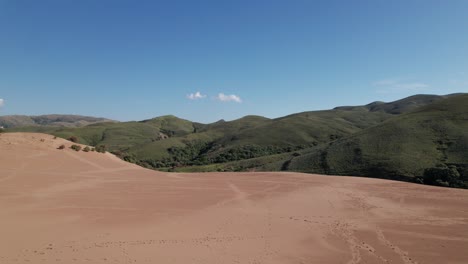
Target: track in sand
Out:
[62,206]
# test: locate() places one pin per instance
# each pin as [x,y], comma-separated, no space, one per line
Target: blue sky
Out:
[211,60]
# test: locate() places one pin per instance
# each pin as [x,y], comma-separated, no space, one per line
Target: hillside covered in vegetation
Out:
[422,138]
[12,121]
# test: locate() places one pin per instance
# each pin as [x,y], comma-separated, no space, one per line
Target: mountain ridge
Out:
[306,141]
[63,120]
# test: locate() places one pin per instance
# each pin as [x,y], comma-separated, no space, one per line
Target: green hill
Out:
[404,105]
[12,121]
[398,140]
[406,146]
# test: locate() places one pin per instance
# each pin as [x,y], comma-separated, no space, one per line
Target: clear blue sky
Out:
[133,60]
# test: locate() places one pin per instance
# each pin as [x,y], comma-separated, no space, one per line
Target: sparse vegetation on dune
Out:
[76,147]
[100,148]
[73,139]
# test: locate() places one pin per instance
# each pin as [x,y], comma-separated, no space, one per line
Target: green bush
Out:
[443,176]
[127,157]
[101,148]
[73,139]
[76,147]
[86,149]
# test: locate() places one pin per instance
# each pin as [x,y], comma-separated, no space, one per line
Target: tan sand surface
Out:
[63,206]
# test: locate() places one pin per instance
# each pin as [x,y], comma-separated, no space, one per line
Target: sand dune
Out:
[62,206]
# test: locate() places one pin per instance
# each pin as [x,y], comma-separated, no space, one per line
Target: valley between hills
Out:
[422,139]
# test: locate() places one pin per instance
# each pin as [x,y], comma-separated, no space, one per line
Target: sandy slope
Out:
[62,206]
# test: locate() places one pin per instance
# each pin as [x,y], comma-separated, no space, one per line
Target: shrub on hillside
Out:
[101,148]
[61,147]
[76,147]
[443,176]
[73,139]
[86,149]
[127,157]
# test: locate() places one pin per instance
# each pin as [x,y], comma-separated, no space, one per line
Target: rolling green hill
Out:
[169,141]
[398,140]
[12,121]
[400,106]
[431,136]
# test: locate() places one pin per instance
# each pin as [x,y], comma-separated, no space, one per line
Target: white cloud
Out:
[385,82]
[228,98]
[2,102]
[411,86]
[396,85]
[195,96]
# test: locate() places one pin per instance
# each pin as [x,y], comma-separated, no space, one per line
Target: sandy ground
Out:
[62,206]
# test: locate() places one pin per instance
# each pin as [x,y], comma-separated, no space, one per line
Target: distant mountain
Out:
[397,140]
[12,121]
[400,106]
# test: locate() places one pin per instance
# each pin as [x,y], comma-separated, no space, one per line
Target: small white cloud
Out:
[385,82]
[228,98]
[411,86]
[396,85]
[195,96]
[2,102]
